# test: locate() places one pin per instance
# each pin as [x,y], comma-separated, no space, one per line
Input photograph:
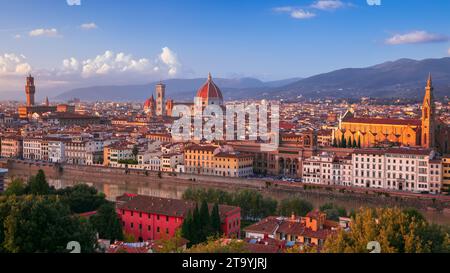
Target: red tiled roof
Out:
[266,226]
[387,121]
[196,147]
[209,90]
[149,102]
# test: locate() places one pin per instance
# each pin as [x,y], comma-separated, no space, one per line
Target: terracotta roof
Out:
[272,225]
[149,102]
[387,121]
[209,90]
[196,147]
[266,226]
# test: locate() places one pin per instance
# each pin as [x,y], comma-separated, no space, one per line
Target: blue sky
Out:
[268,39]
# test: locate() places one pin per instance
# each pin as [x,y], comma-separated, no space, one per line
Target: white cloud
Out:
[296,13]
[73,2]
[170,58]
[51,32]
[89,26]
[449,51]
[71,65]
[302,14]
[106,68]
[416,37]
[17,36]
[328,4]
[12,65]
[111,63]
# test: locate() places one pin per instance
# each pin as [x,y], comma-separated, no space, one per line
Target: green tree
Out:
[205,221]
[44,224]
[396,231]
[170,245]
[294,205]
[82,198]
[343,142]
[214,245]
[16,187]
[196,235]
[253,204]
[333,211]
[135,151]
[359,142]
[186,228]
[215,220]
[107,223]
[38,184]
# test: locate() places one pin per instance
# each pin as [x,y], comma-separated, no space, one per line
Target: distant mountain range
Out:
[402,78]
[178,89]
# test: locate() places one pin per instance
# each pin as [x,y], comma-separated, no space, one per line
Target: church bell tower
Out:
[160,99]
[428,119]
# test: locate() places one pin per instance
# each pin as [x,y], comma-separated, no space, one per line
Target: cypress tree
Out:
[215,219]
[196,226]
[204,220]
[186,228]
[354,143]
[359,142]
[343,142]
[38,184]
[349,142]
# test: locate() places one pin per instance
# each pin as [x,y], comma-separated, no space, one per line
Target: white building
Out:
[32,148]
[56,150]
[169,162]
[319,169]
[402,169]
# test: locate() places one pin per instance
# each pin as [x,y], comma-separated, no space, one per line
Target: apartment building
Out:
[32,148]
[446,173]
[117,152]
[233,164]
[319,169]
[218,161]
[169,162]
[402,169]
[56,150]
[199,159]
[12,146]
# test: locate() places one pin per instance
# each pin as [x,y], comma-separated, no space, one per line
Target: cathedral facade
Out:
[428,132]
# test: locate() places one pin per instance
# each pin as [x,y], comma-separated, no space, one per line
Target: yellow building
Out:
[233,164]
[219,161]
[117,152]
[369,132]
[198,159]
[12,146]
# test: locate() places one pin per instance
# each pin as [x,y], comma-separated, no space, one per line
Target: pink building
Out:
[153,218]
